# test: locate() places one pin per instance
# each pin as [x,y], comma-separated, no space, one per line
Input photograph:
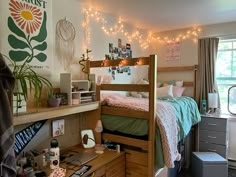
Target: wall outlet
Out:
[58,127]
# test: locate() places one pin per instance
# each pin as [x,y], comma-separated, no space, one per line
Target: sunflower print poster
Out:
[28,33]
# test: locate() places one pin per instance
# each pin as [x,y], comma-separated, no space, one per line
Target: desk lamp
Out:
[212,102]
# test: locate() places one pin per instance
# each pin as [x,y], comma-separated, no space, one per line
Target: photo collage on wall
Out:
[120,52]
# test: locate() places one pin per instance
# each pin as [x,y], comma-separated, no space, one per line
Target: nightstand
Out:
[213,134]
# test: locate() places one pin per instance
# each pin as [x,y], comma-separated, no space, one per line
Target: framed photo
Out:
[58,127]
[64,98]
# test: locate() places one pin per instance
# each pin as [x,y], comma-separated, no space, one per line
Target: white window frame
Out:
[224,106]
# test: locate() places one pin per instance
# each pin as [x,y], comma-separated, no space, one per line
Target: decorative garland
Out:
[143,40]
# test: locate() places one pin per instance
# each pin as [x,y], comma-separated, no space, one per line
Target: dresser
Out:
[213,134]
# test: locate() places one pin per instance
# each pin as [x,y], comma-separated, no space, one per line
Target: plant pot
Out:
[54,102]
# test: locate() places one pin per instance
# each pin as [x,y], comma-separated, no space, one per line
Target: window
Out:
[225,69]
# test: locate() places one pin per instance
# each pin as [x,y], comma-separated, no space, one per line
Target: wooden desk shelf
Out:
[50,113]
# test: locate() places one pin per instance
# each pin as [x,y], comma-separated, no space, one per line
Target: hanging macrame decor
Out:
[65,35]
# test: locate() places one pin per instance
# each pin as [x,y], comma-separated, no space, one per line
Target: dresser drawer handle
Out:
[212,150]
[212,124]
[213,137]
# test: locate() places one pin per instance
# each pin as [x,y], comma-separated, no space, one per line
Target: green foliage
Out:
[43,31]
[28,78]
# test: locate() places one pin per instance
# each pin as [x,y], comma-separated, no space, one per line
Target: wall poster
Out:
[173,51]
[28,35]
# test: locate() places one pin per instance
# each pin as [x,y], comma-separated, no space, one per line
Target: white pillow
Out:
[166,91]
[179,83]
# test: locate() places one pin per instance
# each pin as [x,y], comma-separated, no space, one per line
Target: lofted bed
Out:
[140,127]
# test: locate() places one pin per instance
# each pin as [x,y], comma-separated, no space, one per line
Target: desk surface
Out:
[100,161]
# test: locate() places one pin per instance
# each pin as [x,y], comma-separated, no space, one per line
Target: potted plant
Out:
[53,100]
[27,78]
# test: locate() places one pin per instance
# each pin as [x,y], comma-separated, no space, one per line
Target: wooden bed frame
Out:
[151,62]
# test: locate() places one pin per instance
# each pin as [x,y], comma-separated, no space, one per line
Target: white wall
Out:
[98,43]
[189,49]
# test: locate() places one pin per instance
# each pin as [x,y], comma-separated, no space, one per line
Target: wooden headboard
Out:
[178,72]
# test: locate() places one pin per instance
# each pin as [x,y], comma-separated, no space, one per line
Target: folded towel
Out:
[7,157]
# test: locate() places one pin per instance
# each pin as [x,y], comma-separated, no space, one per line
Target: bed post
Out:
[152,114]
[95,115]
[195,84]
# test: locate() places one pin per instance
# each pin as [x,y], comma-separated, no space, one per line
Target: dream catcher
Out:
[65,35]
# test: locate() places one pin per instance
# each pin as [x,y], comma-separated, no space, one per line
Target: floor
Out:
[187,173]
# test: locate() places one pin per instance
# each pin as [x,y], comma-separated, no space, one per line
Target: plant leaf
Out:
[16,43]
[18,56]
[24,88]
[41,57]
[41,47]
[42,32]
[12,26]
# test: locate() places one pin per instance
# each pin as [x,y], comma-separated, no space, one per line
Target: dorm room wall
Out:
[72,10]
[189,48]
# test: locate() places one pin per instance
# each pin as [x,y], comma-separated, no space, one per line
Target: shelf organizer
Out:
[77,90]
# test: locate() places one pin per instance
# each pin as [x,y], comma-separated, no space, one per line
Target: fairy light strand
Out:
[144,41]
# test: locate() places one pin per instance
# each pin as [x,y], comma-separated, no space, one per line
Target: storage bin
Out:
[209,164]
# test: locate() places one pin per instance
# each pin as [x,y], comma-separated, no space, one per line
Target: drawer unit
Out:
[136,163]
[213,124]
[205,146]
[115,168]
[213,135]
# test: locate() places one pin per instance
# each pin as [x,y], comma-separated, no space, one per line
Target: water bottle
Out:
[54,154]
[203,107]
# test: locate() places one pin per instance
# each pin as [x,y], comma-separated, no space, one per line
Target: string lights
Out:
[143,40]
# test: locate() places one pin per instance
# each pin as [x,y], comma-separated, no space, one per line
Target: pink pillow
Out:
[178,91]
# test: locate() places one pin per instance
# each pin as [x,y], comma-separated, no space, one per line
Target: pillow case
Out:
[178,91]
[172,82]
[179,83]
[166,91]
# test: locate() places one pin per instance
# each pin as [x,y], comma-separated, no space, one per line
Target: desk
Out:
[108,164]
